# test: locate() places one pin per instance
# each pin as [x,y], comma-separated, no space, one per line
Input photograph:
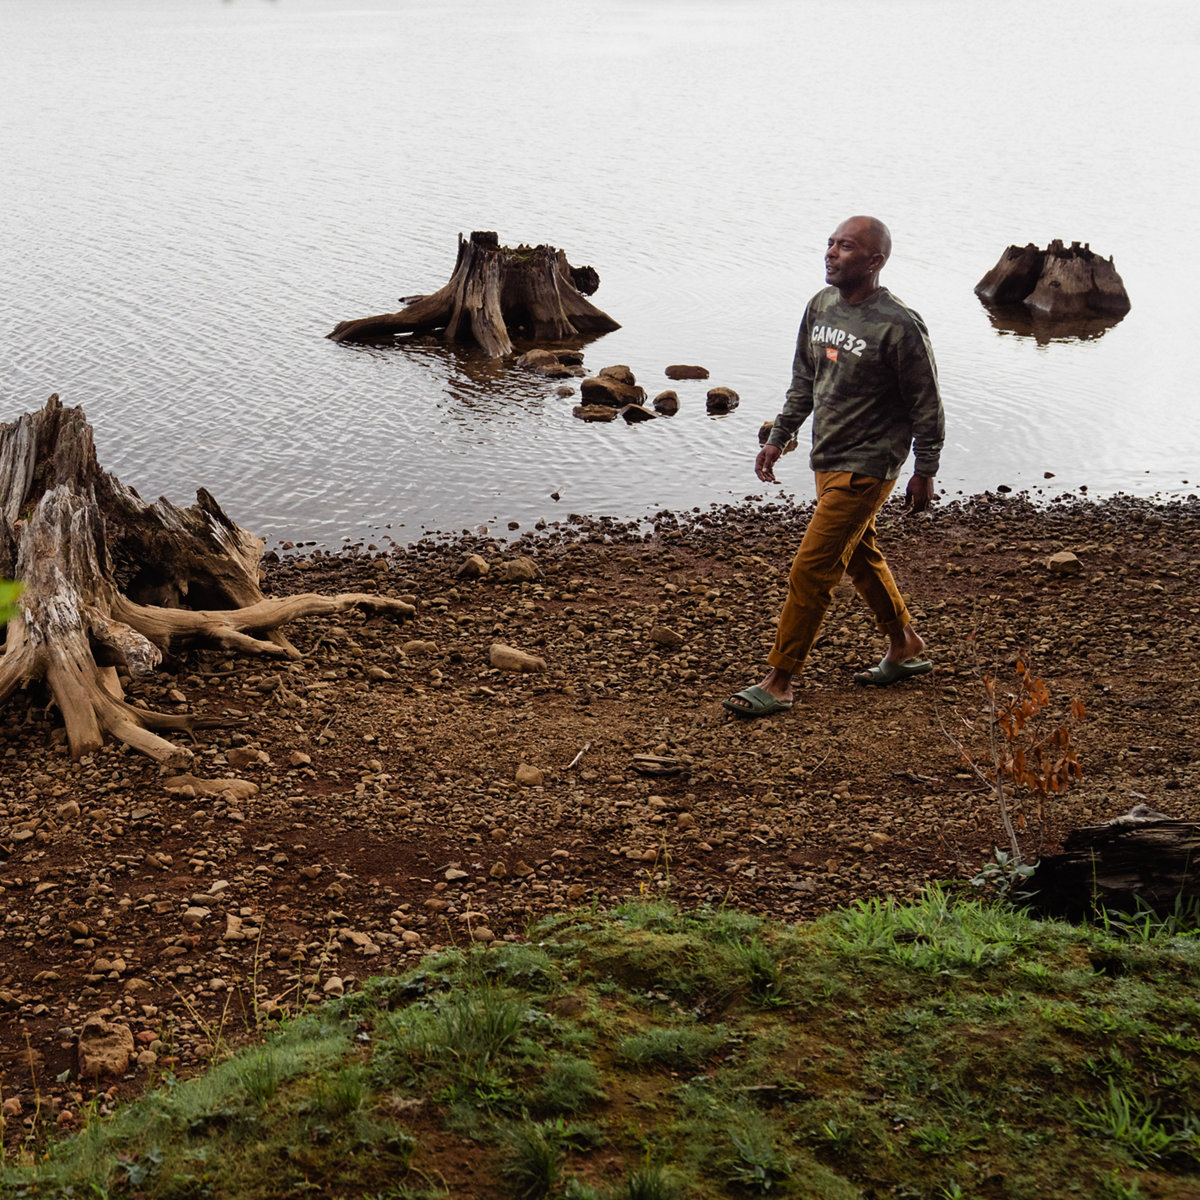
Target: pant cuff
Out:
[784,662]
[896,624]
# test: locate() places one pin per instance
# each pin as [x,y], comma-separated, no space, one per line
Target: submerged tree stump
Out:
[109,582]
[1059,283]
[495,292]
[1141,856]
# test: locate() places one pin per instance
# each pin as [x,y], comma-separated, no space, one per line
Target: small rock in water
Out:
[534,359]
[594,412]
[622,374]
[634,413]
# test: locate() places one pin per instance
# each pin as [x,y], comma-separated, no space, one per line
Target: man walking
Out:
[864,370]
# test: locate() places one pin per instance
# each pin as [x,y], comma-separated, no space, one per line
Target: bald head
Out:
[873,232]
[857,252]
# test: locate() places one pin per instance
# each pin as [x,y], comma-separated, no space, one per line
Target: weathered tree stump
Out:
[1141,856]
[1059,283]
[494,293]
[1012,278]
[110,581]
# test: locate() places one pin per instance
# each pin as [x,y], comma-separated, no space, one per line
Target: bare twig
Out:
[913,777]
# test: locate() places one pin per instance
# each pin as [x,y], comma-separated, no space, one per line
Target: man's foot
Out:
[904,645]
[773,693]
[755,701]
[889,672]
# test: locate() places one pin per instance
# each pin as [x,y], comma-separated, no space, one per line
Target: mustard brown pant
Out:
[839,540]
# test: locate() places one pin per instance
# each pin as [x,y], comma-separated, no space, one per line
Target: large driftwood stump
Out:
[110,581]
[1141,856]
[1059,283]
[494,293]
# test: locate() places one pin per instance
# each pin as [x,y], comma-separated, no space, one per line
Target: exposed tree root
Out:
[109,582]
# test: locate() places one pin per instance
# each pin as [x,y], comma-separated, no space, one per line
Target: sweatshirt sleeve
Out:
[917,375]
[798,404]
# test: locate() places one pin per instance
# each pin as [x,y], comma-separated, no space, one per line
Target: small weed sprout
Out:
[259,1077]
[754,1163]
[761,970]
[838,1136]
[1115,1188]
[1134,1125]
[1145,924]
[578,1190]
[341,1093]
[533,1163]
[1004,875]
[648,1183]
[569,1085]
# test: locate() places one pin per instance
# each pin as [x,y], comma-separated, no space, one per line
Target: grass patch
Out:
[943,1048]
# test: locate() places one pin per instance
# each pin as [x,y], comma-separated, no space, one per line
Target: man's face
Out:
[852,256]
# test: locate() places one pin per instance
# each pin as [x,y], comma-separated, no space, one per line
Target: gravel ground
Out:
[394,791]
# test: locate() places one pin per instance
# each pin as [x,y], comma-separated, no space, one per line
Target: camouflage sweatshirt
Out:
[866,374]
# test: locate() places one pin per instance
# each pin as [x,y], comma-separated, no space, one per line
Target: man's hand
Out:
[764,464]
[918,496]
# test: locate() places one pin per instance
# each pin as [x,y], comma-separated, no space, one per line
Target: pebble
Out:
[473,567]
[509,658]
[1064,563]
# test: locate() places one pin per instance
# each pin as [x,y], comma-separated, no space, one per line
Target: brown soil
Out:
[389,821]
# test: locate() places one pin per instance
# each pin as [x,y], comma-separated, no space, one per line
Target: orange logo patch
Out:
[831,353]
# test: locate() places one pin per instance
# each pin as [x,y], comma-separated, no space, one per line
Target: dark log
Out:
[494,293]
[1060,283]
[110,582]
[1141,856]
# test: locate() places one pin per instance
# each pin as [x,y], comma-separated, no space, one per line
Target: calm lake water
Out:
[196,191]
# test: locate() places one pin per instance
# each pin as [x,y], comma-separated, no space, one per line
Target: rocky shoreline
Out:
[401,788]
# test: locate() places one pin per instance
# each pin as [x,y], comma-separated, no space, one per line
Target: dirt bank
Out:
[388,817]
